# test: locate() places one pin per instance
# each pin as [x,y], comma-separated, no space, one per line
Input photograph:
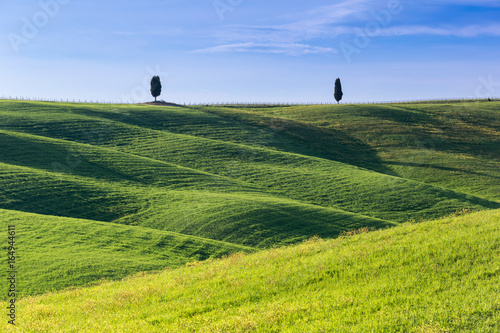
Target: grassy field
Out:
[438,276]
[58,252]
[163,186]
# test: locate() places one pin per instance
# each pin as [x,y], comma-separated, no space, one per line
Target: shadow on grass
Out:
[259,130]
[433,166]
[306,139]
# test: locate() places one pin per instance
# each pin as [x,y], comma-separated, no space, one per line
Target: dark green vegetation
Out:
[193,183]
[337,91]
[438,276]
[155,87]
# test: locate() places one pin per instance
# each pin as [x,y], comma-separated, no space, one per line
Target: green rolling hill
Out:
[203,182]
[438,276]
[60,252]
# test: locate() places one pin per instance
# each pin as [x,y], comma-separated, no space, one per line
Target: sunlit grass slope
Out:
[252,177]
[245,218]
[438,276]
[453,145]
[58,252]
[290,165]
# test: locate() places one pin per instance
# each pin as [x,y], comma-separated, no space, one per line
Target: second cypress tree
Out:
[338,91]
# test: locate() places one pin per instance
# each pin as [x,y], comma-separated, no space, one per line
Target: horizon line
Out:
[225,104]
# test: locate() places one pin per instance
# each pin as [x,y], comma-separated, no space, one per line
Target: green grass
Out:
[203,207]
[56,252]
[241,177]
[450,145]
[438,276]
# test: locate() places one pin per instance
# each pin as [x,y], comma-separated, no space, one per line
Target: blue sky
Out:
[250,50]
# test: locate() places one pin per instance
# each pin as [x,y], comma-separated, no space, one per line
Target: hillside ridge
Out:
[250,177]
[441,275]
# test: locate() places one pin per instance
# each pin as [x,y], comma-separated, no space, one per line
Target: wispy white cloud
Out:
[276,48]
[291,38]
[172,32]
[283,41]
[318,22]
[325,23]
[467,31]
[314,21]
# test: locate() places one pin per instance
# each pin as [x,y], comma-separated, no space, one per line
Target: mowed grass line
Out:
[49,193]
[449,145]
[245,218]
[54,253]
[251,220]
[146,131]
[243,176]
[439,276]
[65,252]
[310,179]
[99,163]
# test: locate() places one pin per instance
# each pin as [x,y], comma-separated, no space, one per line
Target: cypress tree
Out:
[338,91]
[155,86]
